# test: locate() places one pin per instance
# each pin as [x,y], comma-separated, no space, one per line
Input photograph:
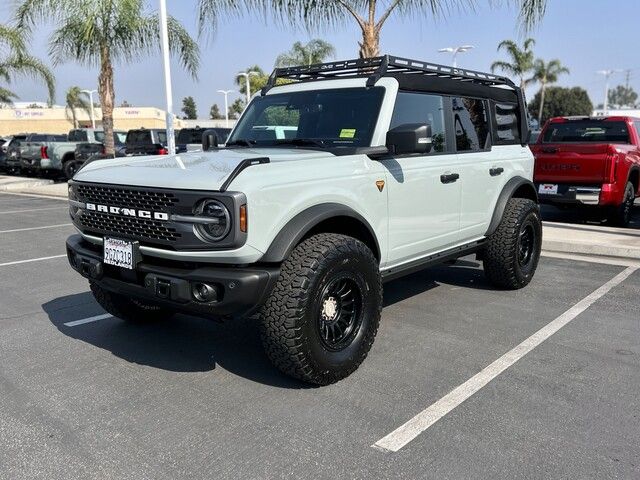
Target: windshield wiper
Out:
[241,142]
[302,142]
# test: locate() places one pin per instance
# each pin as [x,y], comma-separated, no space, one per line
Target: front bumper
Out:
[242,290]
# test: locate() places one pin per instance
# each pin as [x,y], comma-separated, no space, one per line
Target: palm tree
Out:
[316,51]
[546,74]
[521,61]
[75,99]
[17,62]
[103,32]
[369,15]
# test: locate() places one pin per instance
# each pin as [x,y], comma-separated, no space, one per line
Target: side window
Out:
[637,125]
[506,122]
[162,137]
[421,108]
[470,122]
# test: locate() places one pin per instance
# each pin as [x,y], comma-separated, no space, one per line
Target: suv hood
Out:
[187,171]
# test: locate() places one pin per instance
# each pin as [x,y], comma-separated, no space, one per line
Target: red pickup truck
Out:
[590,161]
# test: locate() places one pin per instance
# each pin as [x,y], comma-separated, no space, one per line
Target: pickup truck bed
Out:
[589,161]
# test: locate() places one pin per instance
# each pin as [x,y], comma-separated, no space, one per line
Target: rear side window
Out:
[162,137]
[78,136]
[99,136]
[421,108]
[139,136]
[59,138]
[470,123]
[583,131]
[190,135]
[637,125]
[38,138]
[506,124]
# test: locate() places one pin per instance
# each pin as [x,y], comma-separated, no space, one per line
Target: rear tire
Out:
[320,321]
[129,309]
[621,215]
[513,250]
[70,167]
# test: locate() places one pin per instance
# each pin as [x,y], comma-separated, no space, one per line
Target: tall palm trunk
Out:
[74,117]
[370,45]
[543,87]
[107,97]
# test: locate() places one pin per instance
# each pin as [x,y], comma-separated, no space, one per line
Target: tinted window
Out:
[421,108]
[162,137]
[506,120]
[38,138]
[637,125]
[190,135]
[78,136]
[99,136]
[470,122]
[59,138]
[581,131]
[139,136]
[337,117]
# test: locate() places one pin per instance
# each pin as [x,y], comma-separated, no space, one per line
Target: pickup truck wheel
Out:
[513,250]
[320,321]
[70,167]
[621,215]
[125,308]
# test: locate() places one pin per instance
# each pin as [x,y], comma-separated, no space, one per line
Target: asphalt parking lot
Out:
[190,398]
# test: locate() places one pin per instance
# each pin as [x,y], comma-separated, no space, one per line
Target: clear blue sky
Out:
[586,35]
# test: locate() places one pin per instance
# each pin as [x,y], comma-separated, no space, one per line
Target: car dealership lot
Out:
[190,398]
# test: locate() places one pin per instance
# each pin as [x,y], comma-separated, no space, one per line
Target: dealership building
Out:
[57,119]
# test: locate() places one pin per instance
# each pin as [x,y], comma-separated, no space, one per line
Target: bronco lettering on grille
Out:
[127,212]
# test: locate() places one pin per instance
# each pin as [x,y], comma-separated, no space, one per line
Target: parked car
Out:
[146,141]
[95,150]
[58,154]
[34,147]
[189,139]
[590,161]
[12,158]
[396,165]
[4,143]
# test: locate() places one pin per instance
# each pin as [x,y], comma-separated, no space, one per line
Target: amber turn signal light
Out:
[243,218]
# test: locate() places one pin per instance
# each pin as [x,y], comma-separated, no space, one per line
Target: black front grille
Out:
[122,197]
[128,226]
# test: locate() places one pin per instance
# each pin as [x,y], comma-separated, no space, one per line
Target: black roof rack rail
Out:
[377,67]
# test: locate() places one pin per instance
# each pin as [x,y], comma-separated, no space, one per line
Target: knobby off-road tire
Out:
[621,215]
[329,284]
[513,250]
[130,310]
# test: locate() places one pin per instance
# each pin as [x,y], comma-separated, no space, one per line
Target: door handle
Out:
[495,171]
[449,177]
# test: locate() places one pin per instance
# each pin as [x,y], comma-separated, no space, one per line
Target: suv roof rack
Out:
[377,67]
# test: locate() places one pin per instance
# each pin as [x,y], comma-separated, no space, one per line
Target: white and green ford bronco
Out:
[382,167]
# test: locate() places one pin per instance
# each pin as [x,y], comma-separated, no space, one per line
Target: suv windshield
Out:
[581,131]
[344,117]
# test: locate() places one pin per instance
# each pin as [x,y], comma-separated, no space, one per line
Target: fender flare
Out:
[516,183]
[295,230]
[633,170]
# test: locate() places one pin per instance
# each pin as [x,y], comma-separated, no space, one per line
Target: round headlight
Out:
[216,221]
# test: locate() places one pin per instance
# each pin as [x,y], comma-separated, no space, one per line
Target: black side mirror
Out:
[409,138]
[209,140]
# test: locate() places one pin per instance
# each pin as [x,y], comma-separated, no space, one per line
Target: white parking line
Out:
[422,421]
[36,228]
[34,210]
[97,318]
[18,262]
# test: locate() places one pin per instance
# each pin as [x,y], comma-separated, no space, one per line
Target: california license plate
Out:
[120,253]
[548,189]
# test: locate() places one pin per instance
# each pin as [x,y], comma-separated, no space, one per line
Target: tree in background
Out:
[214,113]
[315,51]
[75,100]
[562,102]
[236,108]
[520,61]
[369,15]
[623,96]
[15,61]
[256,82]
[546,74]
[101,32]
[189,108]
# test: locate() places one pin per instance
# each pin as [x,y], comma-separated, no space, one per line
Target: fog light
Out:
[204,293]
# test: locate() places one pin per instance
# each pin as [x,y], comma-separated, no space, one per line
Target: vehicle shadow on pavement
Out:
[584,216]
[181,344]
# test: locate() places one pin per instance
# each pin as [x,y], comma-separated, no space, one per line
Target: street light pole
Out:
[455,51]
[226,104]
[93,118]
[246,76]
[164,37]
[607,74]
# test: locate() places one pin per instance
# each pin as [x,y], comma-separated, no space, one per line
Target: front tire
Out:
[513,250]
[128,309]
[320,321]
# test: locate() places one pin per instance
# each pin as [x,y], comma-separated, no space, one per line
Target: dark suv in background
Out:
[143,141]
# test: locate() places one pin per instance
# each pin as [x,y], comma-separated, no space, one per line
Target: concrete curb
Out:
[24,185]
[590,249]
